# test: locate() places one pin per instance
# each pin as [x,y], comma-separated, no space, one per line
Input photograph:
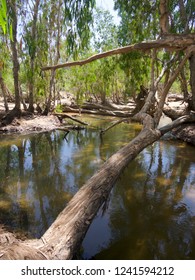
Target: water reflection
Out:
[151,214]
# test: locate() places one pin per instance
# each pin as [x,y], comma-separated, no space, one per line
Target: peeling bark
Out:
[164,19]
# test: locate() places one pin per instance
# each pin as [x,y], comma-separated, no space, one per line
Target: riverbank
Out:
[29,123]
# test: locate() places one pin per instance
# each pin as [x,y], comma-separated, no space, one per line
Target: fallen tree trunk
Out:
[103,112]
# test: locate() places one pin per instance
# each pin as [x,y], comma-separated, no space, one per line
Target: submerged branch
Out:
[63,115]
[114,124]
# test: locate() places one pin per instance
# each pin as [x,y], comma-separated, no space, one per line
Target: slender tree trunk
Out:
[48,103]
[56,59]
[183,16]
[192,79]
[164,19]
[184,86]
[16,66]
[33,56]
[3,89]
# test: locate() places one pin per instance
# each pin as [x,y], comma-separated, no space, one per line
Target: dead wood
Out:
[63,115]
[114,124]
[186,132]
[174,114]
[98,112]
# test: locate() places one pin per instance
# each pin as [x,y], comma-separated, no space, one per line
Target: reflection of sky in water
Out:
[189,200]
[98,237]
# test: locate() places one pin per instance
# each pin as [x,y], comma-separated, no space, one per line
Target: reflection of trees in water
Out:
[149,219]
[32,183]
[39,174]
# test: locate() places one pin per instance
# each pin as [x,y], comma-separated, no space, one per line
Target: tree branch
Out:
[173,42]
[173,77]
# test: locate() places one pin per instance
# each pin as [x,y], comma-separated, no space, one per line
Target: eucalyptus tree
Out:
[30,10]
[65,235]
[139,22]
[55,32]
[96,190]
[104,37]
[59,21]
[13,12]
[176,17]
[99,79]
[4,65]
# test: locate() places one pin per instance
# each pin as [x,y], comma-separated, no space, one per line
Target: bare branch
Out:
[114,124]
[173,77]
[171,42]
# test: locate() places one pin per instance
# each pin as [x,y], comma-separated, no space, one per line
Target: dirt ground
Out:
[35,123]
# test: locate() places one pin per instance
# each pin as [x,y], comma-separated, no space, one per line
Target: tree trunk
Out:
[164,19]
[192,79]
[3,89]
[184,86]
[16,112]
[32,57]
[48,102]
[16,66]
[70,227]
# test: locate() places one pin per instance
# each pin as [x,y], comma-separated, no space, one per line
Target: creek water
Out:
[150,213]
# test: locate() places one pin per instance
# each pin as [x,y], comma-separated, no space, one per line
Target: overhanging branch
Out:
[171,42]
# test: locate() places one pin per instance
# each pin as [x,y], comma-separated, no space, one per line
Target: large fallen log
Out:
[102,112]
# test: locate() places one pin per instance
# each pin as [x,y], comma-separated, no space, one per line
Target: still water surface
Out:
[151,210]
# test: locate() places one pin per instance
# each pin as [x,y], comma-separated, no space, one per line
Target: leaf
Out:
[2,22]
[4,8]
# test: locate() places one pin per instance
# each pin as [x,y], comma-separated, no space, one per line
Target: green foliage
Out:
[78,17]
[104,31]
[6,19]
[3,15]
[100,79]
[182,16]
[139,20]
[64,31]
[136,67]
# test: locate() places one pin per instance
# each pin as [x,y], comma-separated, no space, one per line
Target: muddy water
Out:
[151,210]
